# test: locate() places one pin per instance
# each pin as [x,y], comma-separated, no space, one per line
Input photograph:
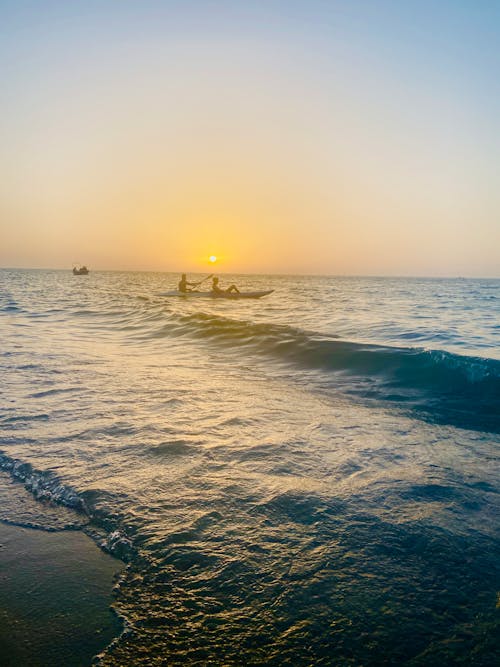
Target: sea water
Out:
[306,479]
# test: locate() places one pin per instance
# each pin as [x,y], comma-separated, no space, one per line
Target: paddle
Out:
[202,281]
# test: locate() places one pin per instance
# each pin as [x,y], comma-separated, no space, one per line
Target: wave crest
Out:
[463,389]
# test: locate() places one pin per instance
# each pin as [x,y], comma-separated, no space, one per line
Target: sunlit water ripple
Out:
[306,479]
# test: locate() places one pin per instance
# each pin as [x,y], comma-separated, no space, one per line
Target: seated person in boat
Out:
[183,284]
[218,290]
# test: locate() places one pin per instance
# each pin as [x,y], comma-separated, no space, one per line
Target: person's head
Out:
[215,280]
[183,276]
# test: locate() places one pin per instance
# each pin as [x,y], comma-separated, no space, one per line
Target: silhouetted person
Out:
[218,290]
[183,284]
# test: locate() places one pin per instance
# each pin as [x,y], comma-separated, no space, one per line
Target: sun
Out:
[212,259]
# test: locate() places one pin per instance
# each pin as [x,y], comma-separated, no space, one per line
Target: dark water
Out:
[311,478]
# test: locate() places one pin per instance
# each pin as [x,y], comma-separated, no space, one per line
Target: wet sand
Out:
[55,595]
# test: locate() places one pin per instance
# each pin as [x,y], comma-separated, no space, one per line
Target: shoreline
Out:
[56,584]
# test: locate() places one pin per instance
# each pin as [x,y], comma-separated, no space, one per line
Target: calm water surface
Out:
[307,479]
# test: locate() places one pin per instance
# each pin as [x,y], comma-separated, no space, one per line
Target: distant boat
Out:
[82,271]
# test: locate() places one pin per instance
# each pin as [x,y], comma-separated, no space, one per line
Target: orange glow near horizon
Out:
[172,144]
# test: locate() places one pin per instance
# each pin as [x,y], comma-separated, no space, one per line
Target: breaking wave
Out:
[463,389]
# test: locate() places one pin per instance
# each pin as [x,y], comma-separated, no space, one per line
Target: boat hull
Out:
[212,295]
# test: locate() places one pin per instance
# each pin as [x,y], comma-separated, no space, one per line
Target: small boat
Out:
[82,271]
[213,295]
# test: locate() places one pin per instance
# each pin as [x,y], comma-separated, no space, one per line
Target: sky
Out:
[320,137]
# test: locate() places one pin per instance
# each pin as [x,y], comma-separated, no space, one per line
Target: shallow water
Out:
[310,478]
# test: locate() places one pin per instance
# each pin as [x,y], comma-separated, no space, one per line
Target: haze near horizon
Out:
[281,137]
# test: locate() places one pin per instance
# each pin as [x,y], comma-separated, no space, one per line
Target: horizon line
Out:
[236,273]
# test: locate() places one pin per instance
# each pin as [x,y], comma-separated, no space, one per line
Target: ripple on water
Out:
[276,506]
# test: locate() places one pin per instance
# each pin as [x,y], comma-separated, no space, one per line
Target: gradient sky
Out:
[332,137]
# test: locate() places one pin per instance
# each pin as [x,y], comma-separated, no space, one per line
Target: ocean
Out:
[310,478]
